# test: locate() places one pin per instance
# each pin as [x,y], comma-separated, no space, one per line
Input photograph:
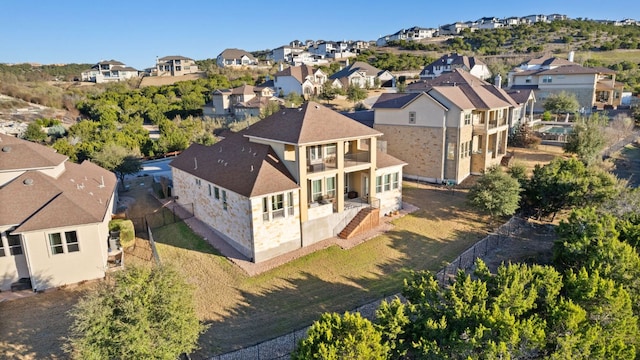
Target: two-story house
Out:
[303,80]
[54,217]
[109,71]
[593,87]
[241,102]
[447,128]
[294,178]
[448,62]
[175,66]
[235,58]
[360,74]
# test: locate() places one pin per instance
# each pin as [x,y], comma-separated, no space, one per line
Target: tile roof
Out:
[246,168]
[35,201]
[309,124]
[18,154]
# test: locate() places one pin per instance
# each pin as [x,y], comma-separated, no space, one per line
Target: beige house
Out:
[297,177]
[362,75]
[241,102]
[302,80]
[593,87]
[54,217]
[109,71]
[235,58]
[448,62]
[446,129]
[175,66]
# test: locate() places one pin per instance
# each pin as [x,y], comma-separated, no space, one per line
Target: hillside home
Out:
[54,217]
[295,178]
[593,87]
[302,80]
[235,58]
[362,75]
[446,129]
[175,66]
[109,71]
[241,102]
[448,62]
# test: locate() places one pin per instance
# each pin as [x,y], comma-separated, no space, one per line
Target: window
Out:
[387,182]
[2,248]
[290,203]
[277,205]
[216,193]
[378,184]
[546,79]
[395,181]
[315,154]
[209,189]
[224,199]
[55,241]
[198,182]
[60,245]
[15,247]
[72,241]
[316,190]
[467,119]
[265,209]
[528,80]
[331,187]
[412,117]
[451,151]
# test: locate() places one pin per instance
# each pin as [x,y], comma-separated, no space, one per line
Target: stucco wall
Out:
[287,84]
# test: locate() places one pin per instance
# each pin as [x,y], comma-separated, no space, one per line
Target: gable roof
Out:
[548,61]
[394,100]
[246,168]
[520,96]
[309,124]
[453,60]
[356,66]
[17,154]
[299,73]
[235,54]
[174,57]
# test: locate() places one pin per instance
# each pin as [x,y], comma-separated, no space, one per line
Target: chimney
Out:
[498,81]
[571,55]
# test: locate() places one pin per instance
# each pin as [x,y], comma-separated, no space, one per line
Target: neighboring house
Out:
[362,75]
[446,128]
[448,62]
[292,179]
[452,29]
[235,58]
[175,66]
[109,71]
[593,87]
[285,53]
[302,80]
[241,102]
[54,217]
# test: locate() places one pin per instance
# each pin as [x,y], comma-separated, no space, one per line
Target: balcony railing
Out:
[356,159]
[324,164]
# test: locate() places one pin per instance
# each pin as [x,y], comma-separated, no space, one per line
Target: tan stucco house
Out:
[175,66]
[109,71]
[235,58]
[446,128]
[297,177]
[242,102]
[54,216]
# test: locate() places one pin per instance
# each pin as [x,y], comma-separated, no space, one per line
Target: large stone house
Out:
[235,58]
[241,102]
[175,66]
[447,128]
[546,76]
[54,217]
[302,80]
[295,178]
[448,62]
[109,71]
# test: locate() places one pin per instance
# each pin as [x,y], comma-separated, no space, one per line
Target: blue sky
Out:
[136,31]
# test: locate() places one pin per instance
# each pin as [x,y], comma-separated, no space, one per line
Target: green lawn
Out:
[246,310]
[631,152]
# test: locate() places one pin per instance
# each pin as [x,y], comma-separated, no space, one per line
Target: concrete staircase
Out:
[365,220]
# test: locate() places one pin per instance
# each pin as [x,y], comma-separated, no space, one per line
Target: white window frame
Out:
[15,249]
[68,242]
[412,117]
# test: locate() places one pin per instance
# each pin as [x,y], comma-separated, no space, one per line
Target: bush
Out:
[127,232]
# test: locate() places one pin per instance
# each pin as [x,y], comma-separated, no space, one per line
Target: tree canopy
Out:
[587,138]
[561,103]
[495,192]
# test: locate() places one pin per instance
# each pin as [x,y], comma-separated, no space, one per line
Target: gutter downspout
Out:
[444,146]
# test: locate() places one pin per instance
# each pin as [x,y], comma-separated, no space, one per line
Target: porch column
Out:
[373,146]
[340,180]
[304,189]
[531,110]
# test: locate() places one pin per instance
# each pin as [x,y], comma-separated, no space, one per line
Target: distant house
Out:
[362,75]
[241,102]
[109,71]
[235,58]
[175,66]
[449,62]
[446,128]
[289,181]
[302,80]
[411,34]
[453,29]
[593,87]
[54,218]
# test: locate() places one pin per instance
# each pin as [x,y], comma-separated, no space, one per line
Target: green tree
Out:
[495,192]
[341,337]
[144,313]
[34,132]
[328,92]
[587,138]
[120,160]
[355,93]
[561,103]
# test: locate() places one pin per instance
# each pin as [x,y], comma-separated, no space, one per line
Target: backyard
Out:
[243,310]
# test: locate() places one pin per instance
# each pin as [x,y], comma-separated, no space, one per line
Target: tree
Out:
[119,160]
[355,93]
[561,103]
[496,192]
[587,138]
[328,92]
[341,337]
[143,313]
[34,132]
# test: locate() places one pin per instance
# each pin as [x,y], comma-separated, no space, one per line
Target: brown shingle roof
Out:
[18,154]
[246,168]
[311,123]
[35,201]
[394,100]
[356,66]
[384,160]
[174,57]
[235,54]
[300,73]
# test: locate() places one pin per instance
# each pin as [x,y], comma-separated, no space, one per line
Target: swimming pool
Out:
[557,130]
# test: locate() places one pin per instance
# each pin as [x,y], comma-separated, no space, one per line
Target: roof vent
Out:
[27,182]
[6,148]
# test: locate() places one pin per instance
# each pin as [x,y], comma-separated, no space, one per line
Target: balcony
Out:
[355,159]
[320,165]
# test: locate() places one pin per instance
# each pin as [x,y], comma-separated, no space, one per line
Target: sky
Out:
[135,32]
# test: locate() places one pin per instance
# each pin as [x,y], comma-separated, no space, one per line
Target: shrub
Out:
[127,232]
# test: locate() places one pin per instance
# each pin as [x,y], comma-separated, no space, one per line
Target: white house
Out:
[109,71]
[302,80]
